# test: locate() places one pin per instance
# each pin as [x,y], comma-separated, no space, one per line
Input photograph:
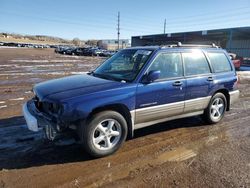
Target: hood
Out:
[73,85]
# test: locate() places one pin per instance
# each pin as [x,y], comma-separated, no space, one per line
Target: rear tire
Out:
[216,109]
[104,133]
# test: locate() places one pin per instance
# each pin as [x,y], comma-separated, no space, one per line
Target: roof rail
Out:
[171,44]
[179,44]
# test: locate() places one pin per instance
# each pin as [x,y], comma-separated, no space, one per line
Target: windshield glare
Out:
[124,65]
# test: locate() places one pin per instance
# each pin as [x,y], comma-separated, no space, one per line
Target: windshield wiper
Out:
[108,77]
[105,76]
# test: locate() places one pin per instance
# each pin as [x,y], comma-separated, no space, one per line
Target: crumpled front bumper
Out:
[31,119]
[37,121]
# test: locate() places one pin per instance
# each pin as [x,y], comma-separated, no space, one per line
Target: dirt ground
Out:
[180,153]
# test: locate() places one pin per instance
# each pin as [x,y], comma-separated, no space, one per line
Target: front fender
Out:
[80,107]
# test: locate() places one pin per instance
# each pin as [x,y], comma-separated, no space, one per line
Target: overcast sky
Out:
[97,19]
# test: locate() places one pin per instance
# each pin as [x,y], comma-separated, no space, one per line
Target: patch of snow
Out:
[4,106]
[40,73]
[2,102]
[78,72]
[56,73]
[45,61]
[12,65]
[17,99]
[8,47]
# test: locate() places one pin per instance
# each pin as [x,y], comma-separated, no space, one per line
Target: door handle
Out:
[210,78]
[177,83]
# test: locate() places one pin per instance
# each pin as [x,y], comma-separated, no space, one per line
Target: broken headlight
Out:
[56,108]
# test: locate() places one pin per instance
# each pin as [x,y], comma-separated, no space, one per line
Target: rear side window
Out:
[219,62]
[195,63]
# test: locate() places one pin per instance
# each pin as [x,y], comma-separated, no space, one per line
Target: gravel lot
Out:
[180,153]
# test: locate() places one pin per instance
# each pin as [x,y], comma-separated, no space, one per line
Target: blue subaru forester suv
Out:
[135,88]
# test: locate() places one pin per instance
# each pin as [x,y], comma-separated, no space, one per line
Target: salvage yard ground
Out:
[180,153]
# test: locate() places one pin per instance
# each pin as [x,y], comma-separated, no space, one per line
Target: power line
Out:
[150,28]
[193,23]
[174,19]
[146,27]
[153,22]
[107,16]
[212,21]
[227,15]
[56,20]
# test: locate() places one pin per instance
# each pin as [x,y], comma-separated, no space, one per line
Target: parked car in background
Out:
[62,49]
[135,88]
[84,51]
[237,61]
[93,52]
[58,49]
[71,51]
[81,51]
[106,53]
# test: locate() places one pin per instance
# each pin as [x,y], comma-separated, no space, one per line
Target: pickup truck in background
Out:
[237,61]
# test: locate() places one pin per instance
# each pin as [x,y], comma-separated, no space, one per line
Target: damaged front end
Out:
[44,115]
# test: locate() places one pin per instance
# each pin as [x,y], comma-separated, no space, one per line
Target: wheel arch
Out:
[120,108]
[226,93]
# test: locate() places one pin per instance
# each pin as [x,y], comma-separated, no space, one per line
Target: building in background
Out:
[235,40]
[112,44]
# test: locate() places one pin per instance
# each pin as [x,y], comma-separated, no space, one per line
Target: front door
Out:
[164,97]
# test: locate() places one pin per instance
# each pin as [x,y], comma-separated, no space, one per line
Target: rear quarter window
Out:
[219,62]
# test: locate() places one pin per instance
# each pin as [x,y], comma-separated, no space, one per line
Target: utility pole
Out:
[118,30]
[165,21]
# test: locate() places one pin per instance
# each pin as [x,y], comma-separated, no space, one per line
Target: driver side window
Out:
[170,65]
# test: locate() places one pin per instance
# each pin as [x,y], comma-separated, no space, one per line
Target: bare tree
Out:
[76,41]
[92,42]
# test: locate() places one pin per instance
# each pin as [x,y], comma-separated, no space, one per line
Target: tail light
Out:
[236,82]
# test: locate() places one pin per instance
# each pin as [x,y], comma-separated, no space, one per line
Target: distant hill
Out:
[36,39]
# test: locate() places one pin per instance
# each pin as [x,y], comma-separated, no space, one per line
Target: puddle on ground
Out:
[211,139]
[179,154]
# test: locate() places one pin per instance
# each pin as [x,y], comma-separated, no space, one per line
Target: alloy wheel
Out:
[107,134]
[217,108]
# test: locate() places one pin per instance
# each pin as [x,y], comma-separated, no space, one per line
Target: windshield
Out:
[124,65]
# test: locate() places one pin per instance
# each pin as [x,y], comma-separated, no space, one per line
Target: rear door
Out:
[164,97]
[199,80]
[224,73]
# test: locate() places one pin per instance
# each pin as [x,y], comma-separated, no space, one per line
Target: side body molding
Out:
[147,116]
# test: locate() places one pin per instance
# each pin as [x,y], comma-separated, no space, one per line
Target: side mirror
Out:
[151,76]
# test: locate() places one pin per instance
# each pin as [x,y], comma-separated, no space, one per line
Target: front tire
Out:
[216,109]
[104,133]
